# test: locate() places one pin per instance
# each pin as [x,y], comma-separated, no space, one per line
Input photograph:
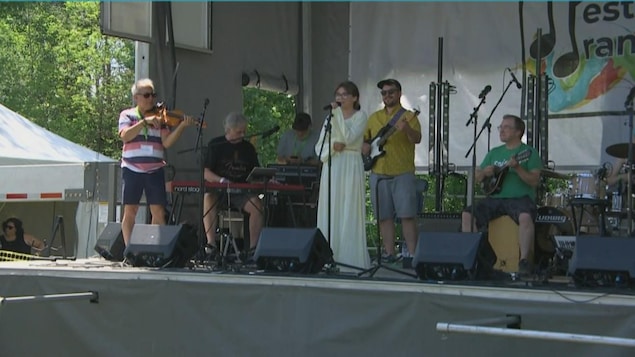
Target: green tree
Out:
[62,73]
[266,109]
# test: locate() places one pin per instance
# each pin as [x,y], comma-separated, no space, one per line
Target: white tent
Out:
[24,142]
[43,176]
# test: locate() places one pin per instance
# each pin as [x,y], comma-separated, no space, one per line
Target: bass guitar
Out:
[377,144]
[493,185]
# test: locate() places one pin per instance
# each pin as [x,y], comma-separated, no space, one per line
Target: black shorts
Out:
[491,208]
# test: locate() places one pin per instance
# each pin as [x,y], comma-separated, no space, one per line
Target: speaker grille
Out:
[603,261]
[110,244]
[453,256]
[294,250]
[161,246]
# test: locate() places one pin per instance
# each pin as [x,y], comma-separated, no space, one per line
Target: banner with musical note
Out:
[587,49]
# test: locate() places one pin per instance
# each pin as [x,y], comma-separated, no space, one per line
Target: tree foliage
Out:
[59,71]
[265,110]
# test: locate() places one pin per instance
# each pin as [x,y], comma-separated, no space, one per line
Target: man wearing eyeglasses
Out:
[392,178]
[145,136]
[514,193]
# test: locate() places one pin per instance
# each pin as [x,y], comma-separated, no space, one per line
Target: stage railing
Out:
[93,295]
[475,327]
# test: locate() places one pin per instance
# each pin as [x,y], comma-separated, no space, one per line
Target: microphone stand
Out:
[629,181]
[327,131]
[472,149]
[201,178]
[489,135]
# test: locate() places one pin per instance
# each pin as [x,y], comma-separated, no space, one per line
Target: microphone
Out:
[328,106]
[268,133]
[486,90]
[518,85]
[629,97]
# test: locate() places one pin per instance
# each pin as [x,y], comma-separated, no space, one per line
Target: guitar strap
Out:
[396,117]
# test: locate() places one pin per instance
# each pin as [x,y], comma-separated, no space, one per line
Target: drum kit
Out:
[555,230]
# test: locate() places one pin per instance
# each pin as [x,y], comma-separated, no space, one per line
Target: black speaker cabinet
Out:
[161,246]
[296,250]
[603,261]
[110,244]
[439,222]
[453,256]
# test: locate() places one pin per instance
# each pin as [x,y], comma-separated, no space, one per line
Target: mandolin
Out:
[492,185]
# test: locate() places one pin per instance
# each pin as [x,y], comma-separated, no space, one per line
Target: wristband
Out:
[222,180]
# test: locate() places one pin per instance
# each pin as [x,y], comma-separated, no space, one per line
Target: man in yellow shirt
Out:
[392,177]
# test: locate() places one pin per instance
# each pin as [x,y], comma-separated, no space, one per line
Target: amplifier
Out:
[296,174]
[439,222]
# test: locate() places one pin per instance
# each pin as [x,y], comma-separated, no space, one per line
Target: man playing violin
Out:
[145,135]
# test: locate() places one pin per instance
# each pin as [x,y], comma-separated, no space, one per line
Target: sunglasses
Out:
[10,227]
[147,95]
[390,91]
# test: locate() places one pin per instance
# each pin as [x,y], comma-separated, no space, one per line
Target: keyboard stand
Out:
[600,204]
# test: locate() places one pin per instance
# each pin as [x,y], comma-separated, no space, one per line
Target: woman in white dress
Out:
[348,196]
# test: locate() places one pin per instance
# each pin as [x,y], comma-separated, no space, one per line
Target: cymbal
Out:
[619,150]
[553,174]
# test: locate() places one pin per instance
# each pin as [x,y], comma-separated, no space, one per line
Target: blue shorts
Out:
[134,183]
[397,196]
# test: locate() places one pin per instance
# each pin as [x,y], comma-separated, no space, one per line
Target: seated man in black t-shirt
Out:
[230,158]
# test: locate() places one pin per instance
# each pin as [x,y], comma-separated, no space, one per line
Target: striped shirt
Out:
[144,153]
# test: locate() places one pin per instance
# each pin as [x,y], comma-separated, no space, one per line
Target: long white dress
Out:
[348,209]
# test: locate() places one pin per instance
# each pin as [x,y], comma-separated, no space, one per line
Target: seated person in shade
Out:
[296,146]
[230,158]
[14,239]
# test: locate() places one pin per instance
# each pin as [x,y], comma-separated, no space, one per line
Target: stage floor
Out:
[239,312]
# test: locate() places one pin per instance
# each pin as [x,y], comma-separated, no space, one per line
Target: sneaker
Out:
[250,256]
[524,268]
[388,258]
[207,253]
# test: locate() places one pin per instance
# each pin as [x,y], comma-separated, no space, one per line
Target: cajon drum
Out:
[503,237]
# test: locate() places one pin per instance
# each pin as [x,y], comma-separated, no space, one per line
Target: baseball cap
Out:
[390,82]
[302,121]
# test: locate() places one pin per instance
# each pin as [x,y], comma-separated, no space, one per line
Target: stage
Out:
[199,311]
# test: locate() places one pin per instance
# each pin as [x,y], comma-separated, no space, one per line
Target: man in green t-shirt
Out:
[517,189]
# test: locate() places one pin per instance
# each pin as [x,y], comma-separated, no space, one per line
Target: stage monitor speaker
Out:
[603,261]
[161,246]
[295,250]
[110,244]
[439,222]
[453,256]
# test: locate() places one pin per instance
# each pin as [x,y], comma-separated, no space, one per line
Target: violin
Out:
[171,118]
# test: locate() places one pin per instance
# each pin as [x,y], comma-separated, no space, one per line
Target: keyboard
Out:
[234,187]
